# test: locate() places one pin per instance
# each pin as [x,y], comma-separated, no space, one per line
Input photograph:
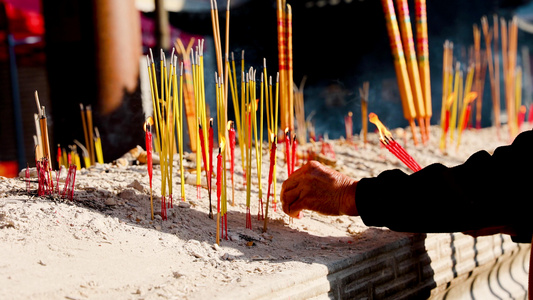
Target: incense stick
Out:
[400,66]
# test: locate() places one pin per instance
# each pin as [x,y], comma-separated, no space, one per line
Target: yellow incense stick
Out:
[85,154]
[98,146]
[276,114]
[180,134]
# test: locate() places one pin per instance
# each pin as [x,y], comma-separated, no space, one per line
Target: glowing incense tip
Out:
[449,101]
[149,122]
[471,96]
[384,134]
[222,144]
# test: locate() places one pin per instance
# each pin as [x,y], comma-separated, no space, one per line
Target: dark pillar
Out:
[93,52]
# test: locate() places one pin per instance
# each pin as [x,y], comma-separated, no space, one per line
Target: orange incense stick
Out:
[423,59]
[400,66]
[404,20]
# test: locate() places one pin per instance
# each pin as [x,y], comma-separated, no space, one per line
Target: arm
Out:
[484,194]
[487,191]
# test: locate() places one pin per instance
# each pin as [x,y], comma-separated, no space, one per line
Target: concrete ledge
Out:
[435,266]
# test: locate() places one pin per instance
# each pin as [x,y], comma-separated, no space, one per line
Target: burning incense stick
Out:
[391,145]
[148,140]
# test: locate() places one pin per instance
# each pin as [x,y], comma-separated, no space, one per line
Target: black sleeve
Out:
[485,191]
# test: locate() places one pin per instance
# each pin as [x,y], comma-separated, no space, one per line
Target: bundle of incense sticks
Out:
[493,64]
[386,139]
[480,61]
[87,123]
[465,114]
[43,130]
[238,108]
[221,123]
[167,110]
[512,74]
[285,66]
[184,55]
[405,65]
[412,66]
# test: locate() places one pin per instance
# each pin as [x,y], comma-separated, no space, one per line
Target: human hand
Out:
[318,188]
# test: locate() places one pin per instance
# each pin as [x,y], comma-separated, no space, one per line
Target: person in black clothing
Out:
[485,195]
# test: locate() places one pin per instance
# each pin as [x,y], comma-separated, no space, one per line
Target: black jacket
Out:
[485,191]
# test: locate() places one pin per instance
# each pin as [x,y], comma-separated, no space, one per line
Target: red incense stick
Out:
[210,158]
[219,193]
[149,163]
[391,145]
[270,176]
[293,160]
[288,151]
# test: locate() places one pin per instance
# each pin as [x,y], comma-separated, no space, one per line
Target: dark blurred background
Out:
[93,52]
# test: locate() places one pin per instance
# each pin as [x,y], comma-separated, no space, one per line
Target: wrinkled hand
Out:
[318,188]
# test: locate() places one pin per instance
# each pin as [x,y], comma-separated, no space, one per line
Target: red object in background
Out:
[26,25]
[9,169]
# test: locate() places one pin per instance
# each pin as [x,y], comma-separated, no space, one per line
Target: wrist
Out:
[348,206]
